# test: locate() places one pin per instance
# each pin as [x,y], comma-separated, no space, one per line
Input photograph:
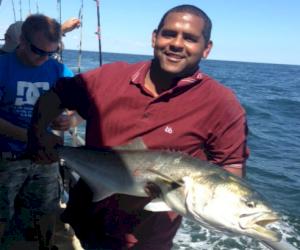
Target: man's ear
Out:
[22,41]
[154,36]
[207,49]
[22,38]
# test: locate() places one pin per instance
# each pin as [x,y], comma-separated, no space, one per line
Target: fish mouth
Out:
[256,224]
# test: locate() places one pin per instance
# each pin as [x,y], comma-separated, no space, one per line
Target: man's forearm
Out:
[236,169]
[12,131]
[46,109]
[41,144]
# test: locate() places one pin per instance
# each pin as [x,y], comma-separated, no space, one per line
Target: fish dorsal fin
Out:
[136,144]
[157,205]
[166,178]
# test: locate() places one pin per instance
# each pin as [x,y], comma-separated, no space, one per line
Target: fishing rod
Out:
[98,32]
[14,11]
[80,17]
[58,6]
[29,7]
[37,6]
[20,4]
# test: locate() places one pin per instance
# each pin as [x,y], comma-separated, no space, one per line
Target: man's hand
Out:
[66,120]
[70,24]
[152,190]
[41,147]
[62,122]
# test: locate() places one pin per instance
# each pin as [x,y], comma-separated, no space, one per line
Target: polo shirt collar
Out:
[138,78]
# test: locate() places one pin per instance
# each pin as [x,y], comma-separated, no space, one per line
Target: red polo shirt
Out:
[198,116]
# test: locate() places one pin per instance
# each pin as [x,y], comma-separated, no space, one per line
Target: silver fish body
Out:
[197,190]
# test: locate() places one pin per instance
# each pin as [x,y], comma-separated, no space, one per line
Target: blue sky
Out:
[247,30]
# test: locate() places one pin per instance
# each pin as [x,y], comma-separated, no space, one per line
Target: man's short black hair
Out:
[191,9]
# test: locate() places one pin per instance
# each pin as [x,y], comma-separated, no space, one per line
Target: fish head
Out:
[229,204]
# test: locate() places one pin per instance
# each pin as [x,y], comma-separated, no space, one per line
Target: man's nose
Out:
[177,43]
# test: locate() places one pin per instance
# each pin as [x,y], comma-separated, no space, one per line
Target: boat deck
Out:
[64,238]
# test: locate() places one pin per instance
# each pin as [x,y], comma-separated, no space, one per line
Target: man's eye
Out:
[191,39]
[168,34]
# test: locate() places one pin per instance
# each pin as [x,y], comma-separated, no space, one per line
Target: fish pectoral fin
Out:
[100,193]
[157,205]
[190,197]
[166,178]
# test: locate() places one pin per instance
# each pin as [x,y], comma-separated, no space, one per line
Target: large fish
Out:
[195,189]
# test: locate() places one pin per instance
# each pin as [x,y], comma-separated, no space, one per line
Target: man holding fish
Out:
[169,103]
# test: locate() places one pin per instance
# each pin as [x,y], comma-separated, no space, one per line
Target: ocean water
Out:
[270,93]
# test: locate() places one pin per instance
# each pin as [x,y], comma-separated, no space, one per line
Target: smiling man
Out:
[25,74]
[169,103]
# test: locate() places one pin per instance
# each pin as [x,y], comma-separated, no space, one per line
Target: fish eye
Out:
[250,204]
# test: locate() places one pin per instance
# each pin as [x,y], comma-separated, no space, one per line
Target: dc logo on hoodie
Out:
[29,92]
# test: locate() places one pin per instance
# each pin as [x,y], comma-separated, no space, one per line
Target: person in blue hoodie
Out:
[25,74]
[13,33]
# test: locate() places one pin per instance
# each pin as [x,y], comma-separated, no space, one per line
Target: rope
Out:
[98,32]
[80,17]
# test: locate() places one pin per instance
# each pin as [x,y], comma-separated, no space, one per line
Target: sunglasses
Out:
[41,52]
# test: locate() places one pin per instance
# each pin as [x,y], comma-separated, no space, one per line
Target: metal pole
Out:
[98,32]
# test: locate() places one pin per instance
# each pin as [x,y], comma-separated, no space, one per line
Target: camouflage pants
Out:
[36,187]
